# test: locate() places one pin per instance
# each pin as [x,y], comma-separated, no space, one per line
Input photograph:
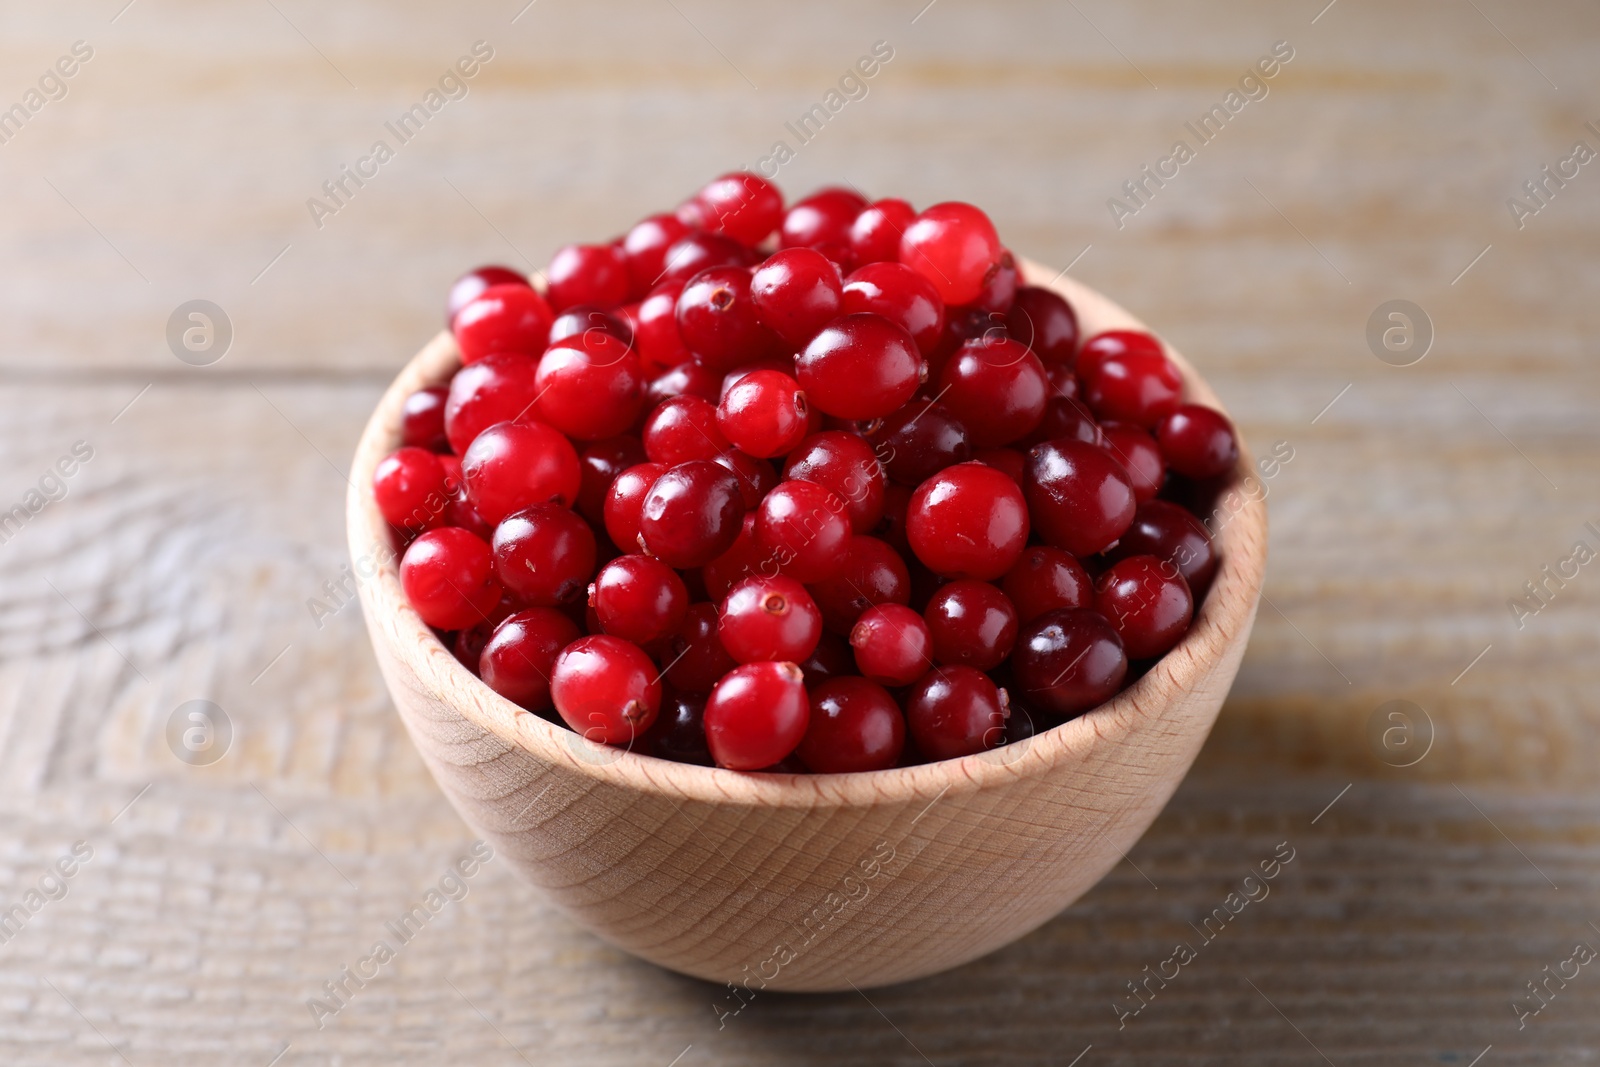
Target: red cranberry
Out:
[590,387]
[892,644]
[845,463]
[861,367]
[822,220]
[770,619]
[996,388]
[699,252]
[606,689]
[503,318]
[471,285]
[756,476]
[742,206]
[832,659]
[1046,323]
[900,295]
[680,731]
[514,464]
[659,343]
[1080,498]
[645,249]
[497,388]
[1046,579]
[892,527]
[1063,381]
[1069,661]
[803,528]
[518,659]
[1000,286]
[854,725]
[717,318]
[1139,456]
[448,576]
[876,232]
[581,320]
[545,555]
[410,488]
[691,514]
[756,715]
[422,419]
[955,247]
[1198,442]
[587,274]
[873,574]
[972,623]
[698,659]
[599,464]
[763,413]
[1066,418]
[681,429]
[1168,532]
[1115,343]
[742,560]
[685,379]
[919,441]
[638,599]
[954,712]
[625,502]
[1007,461]
[796,293]
[1140,388]
[968,521]
[1147,602]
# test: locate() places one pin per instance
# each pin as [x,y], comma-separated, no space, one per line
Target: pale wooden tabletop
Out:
[178,565]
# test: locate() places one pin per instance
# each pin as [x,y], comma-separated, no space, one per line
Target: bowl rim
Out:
[1223,619]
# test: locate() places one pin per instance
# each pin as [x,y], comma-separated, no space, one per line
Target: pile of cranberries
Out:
[817,488]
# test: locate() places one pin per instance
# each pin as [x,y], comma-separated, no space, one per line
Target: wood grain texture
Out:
[185,551]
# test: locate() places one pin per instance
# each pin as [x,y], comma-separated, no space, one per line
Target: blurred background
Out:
[1425,746]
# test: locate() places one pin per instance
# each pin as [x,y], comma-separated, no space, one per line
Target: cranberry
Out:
[717,319]
[919,441]
[845,463]
[892,644]
[497,388]
[1000,286]
[1168,532]
[822,220]
[503,318]
[1147,602]
[514,464]
[861,367]
[802,527]
[544,554]
[1114,343]
[698,659]
[743,559]
[900,295]
[854,725]
[742,206]
[1046,323]
[590,387]
[685,379]
[1139,455]
[954,712]
[422,419]
[639,599]
[832,659]
[968,521]
[1069,661]
[1080,498]
[1008,461]
[756,715]
[691,514]
[756,476]
[796,293]
[681,429]
[997,388]
[625,501]
[660,344]
[587,274]
[1137,387]
[679,734]
[770,619]
[1063,381]
[1066,418]
[471,285]
[578,321]
[606,689]
[892,527]
[518,659]
[410,488]
[763,413]
[1198,442]
[873,574]
[448,576]
[1045,579]
[876,232]
[645,249]
[972,623]
[699,252]
[599,464]
[955,247]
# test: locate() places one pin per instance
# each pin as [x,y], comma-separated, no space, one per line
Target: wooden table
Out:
[179,564]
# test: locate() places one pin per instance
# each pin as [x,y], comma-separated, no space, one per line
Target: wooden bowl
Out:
[795,882]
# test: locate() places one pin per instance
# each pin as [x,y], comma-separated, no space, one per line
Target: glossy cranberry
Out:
[919,441]
[743,559]
[875,234]
[742,206]
[1007,461]
[770,618]
[1065,418]
[1081,499]
[756,476]
[468,644]
[996,388]
[639,599]
[855,725]
[757,715]
[544,554]
[972,623]
[696,660]
[587,274]
[657,339]
[892,527]
[1118,343]
[1069,661]
[590,387]
[803,527]
[796,293]
[1140,388]
[422,419]
[845,463]
[892,644]
[873,574]
[448,577]
[692,514]
[831,659]
[968,521]
[471,285]
[1139,455]
[644,249]
[763,413]
[460,512]
[822,220]
[700,252]
[409,486]
[955,247]
[1000,286]
[1167,531]
[1046,323]
[956,711]
[1198,442]
[1046,579]
[503,318]
[578,321]
[599,464]
[1147,602]
[514,464]
[681,429]
[685,379]
[520,655]
[861,367]
[717,319]
[497,388]
[606,689]
[625,501]
[900,295]
[680,731]
[1063,381]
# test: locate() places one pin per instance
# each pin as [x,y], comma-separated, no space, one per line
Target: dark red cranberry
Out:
[956,711]
[1007,461]
[743,559]
[1147,602]
[1046,579]
[873,574]
[757,477]
[1000,286]
[645,249]
[996,388]
[599,465]
[680,731]
[1080,498]
[512,465]
[900,295]
[1046,323]
[1069,661]
[659,343]
[1198,442]
[520,655]
[685,379]
[692,514]
[409,486]
[876,232]
[1114,343]
[955,247]
[763,413]
[854,725]
[971,623]
[422,419]
[1169,532]
[581,320]
[803,528]
[892,527]
[606,689]
[587,274]
[861,367]
[968,521]
[639,599]
[743,206]
[497,388]
[1140,388]
[717,319]
[796,293]
[920,440]
[590,386]
[822,219]
[757,715]
[1139,455]
[696,659]
[625,502]
[544,554]
[1063,381]
[892,644]
[683,428]
[448,577]
[471,285]
[831,659]
[845,463]
[1065,418]
[770,618]
[700,252]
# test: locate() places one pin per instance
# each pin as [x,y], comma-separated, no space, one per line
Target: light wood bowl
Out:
[795,882]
